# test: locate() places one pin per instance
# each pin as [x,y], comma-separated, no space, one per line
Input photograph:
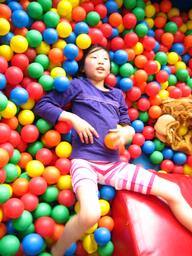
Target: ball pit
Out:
[41,44]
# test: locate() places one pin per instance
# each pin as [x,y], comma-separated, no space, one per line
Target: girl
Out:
[97,110]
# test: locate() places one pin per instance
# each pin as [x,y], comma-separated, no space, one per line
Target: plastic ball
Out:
[29,133]
[78,14]
[51,138]
[35,70]
[60,214]
[43,209]
[107,192]
[110,141]
[89,244]
[104,206]
[63,149]
[4,26]
[20,19]
[26,117]
[30,201]
[35,10]
[102,236]
[83,41]
[167,165]
[9,245]
[66,197]
[13,208]
[23,222]
[44,226]
[64,8]
[19,96]
[19,44]
[32,244]
[44,155]
[134,151]
[179,158]
[51,194]
[35,90]
[14,75]
[71,250]
[156,157]
[5,133]
[126,84]
[34,38]
[92,18]
[20,186]
[5,192]
[61,83]
[57,71]
[64,29]
[34,168]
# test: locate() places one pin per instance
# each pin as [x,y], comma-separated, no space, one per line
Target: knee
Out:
[88,218]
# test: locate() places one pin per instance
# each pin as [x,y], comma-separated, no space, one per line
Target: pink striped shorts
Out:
[120,175]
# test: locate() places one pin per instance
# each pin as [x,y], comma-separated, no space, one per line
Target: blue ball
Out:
[7,38]
[71,39]
[81,28]
[20,18]
[125,84]
[167,153]
[71,51]
[32,244]
[102,236]
[71,250]
[157,47]
[19,96]
[151,33]
[3,81]
[107,192]
[148,147]
[186,58]
[70,66]
[111,6]
[179,158]
[178,48]
[166,68]
[50,35]
[115,32]
[138,125]
[61,83]
[120,57]
[13,5]
[10,228]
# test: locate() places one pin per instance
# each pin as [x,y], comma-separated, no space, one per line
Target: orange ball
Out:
[140,61]
[160,21]
[56,55]
[20,186]
[140,76]
[115,19]
[11,122]
[51,138]
[131,54]
[78,14]
[25,157]
[155,112]
[4,157]
[106,222]
[110,141]
[80,54]
[155,100]
[5,12]
[167,39]
[58,230]
[3,230]
[21,31]
[51,174]
[188,41]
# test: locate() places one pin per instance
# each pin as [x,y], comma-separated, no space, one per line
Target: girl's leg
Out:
[171,193]
[88,215]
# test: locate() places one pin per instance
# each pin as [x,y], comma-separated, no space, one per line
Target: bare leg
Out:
[88,215]
[171,193]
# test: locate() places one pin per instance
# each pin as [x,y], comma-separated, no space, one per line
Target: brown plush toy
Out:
[177,114]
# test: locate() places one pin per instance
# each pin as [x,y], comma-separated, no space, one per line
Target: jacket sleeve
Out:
[123,110]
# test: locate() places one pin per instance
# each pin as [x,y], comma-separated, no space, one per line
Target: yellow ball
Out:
[187,169]
[104,206]
[60,44]
[64,182]
[180,65]
[138,48]
[10,111]
[149,10]
[89,244]
[63,149]
[43,48]
[183,28]
[119,3]
[92,229]
[173,12]
[77,207]
[190,14]
[83,41]
[19,44]
[164,94]
[29,104]
[172,58]
[64,29]
[120,28]
[57,71]
[9,188]
[150,22]
[4,27]
[189,24]
[34,168]
[1,215]
[164,85]
[183,130]
[18,170]
[74,3]
[26,117]
[63,8]
[6,52]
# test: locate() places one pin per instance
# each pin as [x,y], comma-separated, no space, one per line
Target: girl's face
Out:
[97,64]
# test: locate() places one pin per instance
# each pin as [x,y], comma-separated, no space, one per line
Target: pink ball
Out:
[38,25]
[29,133]
[175,93]
[162,76]
[44,155]
[5,132]
[44,226]
[15,138]
[13,208]
[30,201]
[151,67]
[66,197]
[14,75]
[96,35]
[37,186]
[101,10]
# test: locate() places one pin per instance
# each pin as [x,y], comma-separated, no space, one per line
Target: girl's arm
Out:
[124,134]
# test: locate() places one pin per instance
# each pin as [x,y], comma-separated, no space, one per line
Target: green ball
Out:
[139,13]
[92,18]
[45,254]
[156,157]
[23,222]
[35,70]
[51,19]
[143,116]
[171,27]
[34,38]
[47,82]
[182,75]
[3,101]
[60,214]
[35,10]
[43,126]
[159,146]
[172,80]
[106,250]
[43,209]
[27,231]
[189,82]
[25,176]
[161,57]
[9,245]
[141,30]
[150,78]
[5,193]
[129,4]
[15,157]
[34,147]
[11,172]
[46,5]
[141,3]
[114,68]
[43,60]
[50,195]
[126,70]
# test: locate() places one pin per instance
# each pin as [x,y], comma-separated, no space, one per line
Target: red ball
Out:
[14,75]
[162,76]
[66,197]
[15,138]
[167,165]
[134,151]
[96,35]
[5,132]
[129,21]
[2,176]
[37,186]
[106,29]
[138,139]
[101,10]
[63,127]
[111,80]
[3,64]
[64,165]
[178,169]
[30,201]
[31,54]
[29,133]
[149,43]
[38,25]
[44,155]
[8,147]
[44,226]
[117,43]
[151,67]
[175,93]
[35,90]
[131,39]
[20,60]
[134,94]
[189,161]
[13,208]
[143,104]
[152,89]
[148,132]
[133,114]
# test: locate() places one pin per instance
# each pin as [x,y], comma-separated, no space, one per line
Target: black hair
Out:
[92,48]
